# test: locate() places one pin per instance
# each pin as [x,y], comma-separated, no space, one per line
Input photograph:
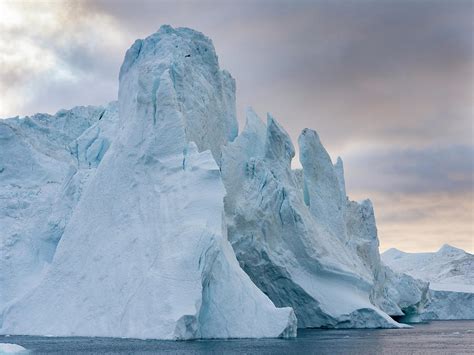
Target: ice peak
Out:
[252,121]
[392,252]
[170,42]
[449,249]
[312,153]
[278,145]
[205,95]
[165,29]
[339,169]
[323,193]
[310,134]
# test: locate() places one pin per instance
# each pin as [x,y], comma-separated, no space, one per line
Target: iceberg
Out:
[450,274]
[152,217]
[8,348]
[297,235]
[144,253]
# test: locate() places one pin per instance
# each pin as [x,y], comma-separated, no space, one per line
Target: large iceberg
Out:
[298,236]
[144,253]
[151,217]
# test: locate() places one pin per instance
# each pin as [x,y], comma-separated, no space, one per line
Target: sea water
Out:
[437,337]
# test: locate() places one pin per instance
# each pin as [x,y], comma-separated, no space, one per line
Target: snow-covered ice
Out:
[450,273]
[448,269]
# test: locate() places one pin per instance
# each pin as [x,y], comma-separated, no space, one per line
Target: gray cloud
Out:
[423,198]
[387,84]
[448,169]
[55,55]
[392,71]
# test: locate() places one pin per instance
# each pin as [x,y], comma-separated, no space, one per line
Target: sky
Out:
[388,85]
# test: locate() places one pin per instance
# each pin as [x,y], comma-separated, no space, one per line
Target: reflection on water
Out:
[441,337]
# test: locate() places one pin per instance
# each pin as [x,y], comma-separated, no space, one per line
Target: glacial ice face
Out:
[90,147]
[322,188]
[450,274]
[41,182]
[185,61]
[286,240]
[449,305]
[145,252]
[394,293]
[399,294]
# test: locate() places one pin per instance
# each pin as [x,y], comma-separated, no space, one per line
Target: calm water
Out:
[442,337]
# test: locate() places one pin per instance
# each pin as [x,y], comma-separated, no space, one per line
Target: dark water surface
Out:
[440,337]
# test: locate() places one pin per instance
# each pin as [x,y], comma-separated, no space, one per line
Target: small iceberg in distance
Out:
[8,348]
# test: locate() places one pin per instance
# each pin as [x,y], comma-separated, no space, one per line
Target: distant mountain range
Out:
[449,269]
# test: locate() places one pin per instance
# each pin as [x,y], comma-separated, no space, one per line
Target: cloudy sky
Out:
[387,84]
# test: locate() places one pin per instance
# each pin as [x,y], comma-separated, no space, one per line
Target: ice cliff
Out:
[450,273]
[298,236]
[152,217]
[42,175]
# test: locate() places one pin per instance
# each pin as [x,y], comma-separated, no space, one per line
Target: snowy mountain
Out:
[450,273]
[152,217]
[449,269]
